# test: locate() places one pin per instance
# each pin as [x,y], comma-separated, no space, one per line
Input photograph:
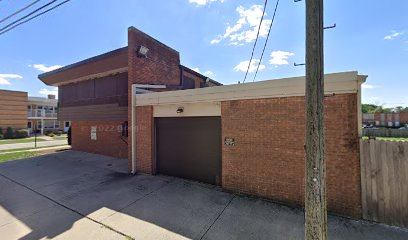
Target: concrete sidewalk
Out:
[31,144]
[74,195]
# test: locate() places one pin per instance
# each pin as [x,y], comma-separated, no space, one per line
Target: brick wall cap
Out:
[133,29]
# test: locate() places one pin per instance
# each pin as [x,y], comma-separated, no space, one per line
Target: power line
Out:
[256,40]
[35,16]
[267,37]
[15,13]
[26,16]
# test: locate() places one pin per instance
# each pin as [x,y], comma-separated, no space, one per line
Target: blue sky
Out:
[215,36]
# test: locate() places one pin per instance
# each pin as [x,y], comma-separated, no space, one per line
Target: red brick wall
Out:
[108,141]
[162,66]
[268,157]
[144,141]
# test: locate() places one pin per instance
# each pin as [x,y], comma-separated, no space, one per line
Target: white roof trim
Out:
[345,82]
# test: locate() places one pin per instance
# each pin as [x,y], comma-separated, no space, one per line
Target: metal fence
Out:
[385,132]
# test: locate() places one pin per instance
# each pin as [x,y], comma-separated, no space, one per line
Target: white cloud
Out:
[53,91]
[44,68]
[369,86]
[203,2]
[243,66]
[215,41]
[280,57]
[210,74]
[206,73]
[393,35]
[246,27]
[374,100]
[5,78]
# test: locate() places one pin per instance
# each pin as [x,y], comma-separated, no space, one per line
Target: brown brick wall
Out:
[13,110]
[108,141]
[268,157]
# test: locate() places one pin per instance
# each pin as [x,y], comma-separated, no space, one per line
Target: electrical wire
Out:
[35,16]
[19,11]
[256,40]
[26,16]
[267,37]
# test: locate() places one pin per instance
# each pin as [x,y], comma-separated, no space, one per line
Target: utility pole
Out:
[315,198]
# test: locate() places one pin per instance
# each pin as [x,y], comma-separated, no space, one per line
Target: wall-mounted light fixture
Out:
[180,110]
[142,51]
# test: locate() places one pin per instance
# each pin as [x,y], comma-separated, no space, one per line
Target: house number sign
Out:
[229,141]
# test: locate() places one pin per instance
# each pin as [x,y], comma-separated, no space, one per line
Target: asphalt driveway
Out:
[75,195]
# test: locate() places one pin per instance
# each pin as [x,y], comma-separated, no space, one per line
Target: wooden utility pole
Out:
[315,198]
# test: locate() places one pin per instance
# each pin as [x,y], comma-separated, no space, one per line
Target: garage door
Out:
[189,147]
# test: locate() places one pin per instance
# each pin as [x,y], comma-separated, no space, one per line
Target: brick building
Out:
[246,138]
[391,119]
[20,111]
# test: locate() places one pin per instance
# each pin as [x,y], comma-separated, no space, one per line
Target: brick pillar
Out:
[160,67]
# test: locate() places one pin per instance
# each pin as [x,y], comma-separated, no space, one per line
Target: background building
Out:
[13,109]
[19,111]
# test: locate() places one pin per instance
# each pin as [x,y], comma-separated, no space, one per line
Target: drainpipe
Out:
[133,128]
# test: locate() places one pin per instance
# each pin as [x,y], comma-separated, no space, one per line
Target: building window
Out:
[29,124]
[56,124]
[67,124]
[39,126]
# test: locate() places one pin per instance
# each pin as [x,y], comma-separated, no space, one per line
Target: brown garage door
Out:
[189,147]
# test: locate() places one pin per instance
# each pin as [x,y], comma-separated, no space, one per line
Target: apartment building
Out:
[36,114]
[42,115]
[13,113]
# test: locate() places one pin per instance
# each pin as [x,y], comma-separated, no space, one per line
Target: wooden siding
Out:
[13,109]
[106,90]
[96,99]
[384,177]
[93,112]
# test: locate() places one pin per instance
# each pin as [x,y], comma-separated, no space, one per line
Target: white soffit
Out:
[189,110]
[346,82]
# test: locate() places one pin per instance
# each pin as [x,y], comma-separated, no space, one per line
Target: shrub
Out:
[1,131]
[58,133]
[23,133]
[9,133]
[48,132]
[51,135]
[1,136]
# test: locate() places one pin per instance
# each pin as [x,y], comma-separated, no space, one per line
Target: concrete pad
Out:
[249,218]
[56,222]
[17,202]
[145,207]
[181,209]
[113,195]
[73,185]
